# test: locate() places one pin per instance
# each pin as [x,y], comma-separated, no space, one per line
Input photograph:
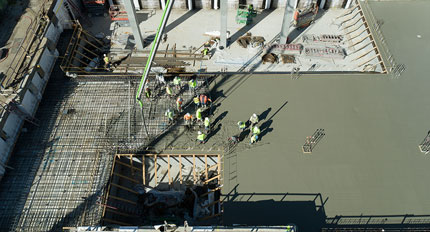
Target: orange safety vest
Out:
[188,117]
[203,98]
[179,101]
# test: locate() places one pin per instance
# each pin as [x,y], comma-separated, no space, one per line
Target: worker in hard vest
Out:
[204,100]
[169,91]
[179,104]
[199,115]
[205,51]
[188,118]
[192,84]
[254,139]
[196,101]
[201,137]
[106,60]
[177,82]
[207,123]
[253,119]
[148,92]
[169,115]
[241,125]
[256,130]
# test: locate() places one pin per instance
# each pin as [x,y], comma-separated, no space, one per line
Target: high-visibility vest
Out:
[241,124]
[253,138]
[169,114]
[256,130]
[192,83]
[253,119]
[148,93]
[199,114]
[201,137]
[179,101]
[207,122]
[196,100]
[203,99]
[106,59]
[177,81]
[169,90]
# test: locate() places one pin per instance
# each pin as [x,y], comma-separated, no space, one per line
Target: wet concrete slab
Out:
[368,162]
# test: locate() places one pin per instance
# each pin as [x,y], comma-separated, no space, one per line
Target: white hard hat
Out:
[254,115]
[188,114]
[206,118]
[199,132]
[104,54]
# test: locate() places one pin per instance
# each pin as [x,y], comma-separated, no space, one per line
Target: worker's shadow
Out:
[244,134]
[214,131]
[220,117]
[265,128]
[263,115]
[217,94]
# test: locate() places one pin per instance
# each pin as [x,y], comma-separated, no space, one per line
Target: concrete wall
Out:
[33,86]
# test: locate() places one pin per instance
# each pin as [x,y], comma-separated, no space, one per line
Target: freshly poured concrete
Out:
[369,162]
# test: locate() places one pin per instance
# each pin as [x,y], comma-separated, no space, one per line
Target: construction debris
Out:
[270,57]
[248,39]
[322,38]
[312,141]
[287,59]
[327,52]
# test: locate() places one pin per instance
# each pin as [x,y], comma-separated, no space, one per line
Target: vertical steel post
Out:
[288,17]
[131,13]
[223,31]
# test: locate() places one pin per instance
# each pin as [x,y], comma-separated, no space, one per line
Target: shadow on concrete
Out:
[220,117]
[263,115]
[280,108]
[180,20]
[214,131]
[305,210]
[265,128]
[10,17]
[247,28]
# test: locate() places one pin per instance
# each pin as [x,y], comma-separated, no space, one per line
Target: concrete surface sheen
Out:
[368,163]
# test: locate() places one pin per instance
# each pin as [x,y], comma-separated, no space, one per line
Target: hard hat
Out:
[104,55]
[207,118]
[254,115]
[199,132]
[188,114]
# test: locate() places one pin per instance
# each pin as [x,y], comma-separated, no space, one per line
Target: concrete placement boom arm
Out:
[153,51]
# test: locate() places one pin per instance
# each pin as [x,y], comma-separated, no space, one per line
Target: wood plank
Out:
[109,186]
[213,178]
[206,167]
[126,177]
[122,199]
[219,168]
[168,169]
[180,168]
[155,170]
[127,165]
[125,188]
[143,171]
[120,213]
[131,163]
[213,190]
[194,169]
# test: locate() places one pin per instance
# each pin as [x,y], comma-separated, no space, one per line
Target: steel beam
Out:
[223,29]
[131,13]
[288,17]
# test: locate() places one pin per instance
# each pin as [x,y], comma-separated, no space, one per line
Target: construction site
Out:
[214,115]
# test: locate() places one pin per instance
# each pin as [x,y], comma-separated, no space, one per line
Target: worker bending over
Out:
[207,123]
[177,82]
[179,104]
[255,133]
[253,119]
[241,125]
[169,91]
[201,137]
[192,84]
[169,114]
[199,116]
[188,118]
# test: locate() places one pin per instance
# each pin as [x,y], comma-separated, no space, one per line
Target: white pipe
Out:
[216,4]
[190,4]
[267,5]
[348,4]
[322,4]
[163,4]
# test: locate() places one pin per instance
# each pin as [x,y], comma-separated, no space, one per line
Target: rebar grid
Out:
[63,165]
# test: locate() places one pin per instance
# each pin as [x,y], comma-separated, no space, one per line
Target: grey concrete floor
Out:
[369,162]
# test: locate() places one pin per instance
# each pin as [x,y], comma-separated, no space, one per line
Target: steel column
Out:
[131,13]
[223,31]
[288,17]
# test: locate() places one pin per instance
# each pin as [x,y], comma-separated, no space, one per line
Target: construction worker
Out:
[148,92]
[199,115]
[192,84]
[188,118]
[177,82]
[205,51]
[201,137]
[254,139]
[241,125]
[179,104]
[169,114]
[106,60]
[253,119]
[207,123]
[169,90]
[196,101]
[250,7]
[204,99]
[256,130]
